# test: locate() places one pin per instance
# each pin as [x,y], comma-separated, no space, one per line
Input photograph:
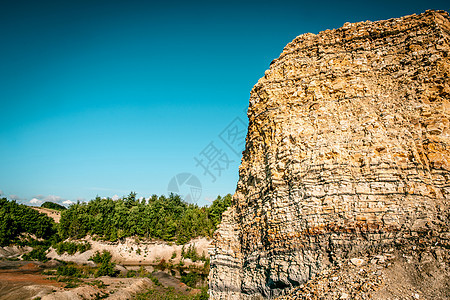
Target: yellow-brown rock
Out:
[347,150]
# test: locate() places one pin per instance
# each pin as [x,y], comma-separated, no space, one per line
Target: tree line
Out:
[158,217]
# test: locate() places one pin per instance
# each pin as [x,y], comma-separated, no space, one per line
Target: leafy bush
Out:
[190,279]
[71,247]
[68,270]
[103,261]
[37,253]
[190,253]
[131,273]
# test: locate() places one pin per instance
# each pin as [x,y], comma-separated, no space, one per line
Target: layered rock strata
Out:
[347,151]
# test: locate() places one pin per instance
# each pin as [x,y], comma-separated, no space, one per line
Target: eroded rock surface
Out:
[347,152]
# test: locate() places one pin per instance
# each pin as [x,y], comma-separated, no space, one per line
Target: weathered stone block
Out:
[348,148]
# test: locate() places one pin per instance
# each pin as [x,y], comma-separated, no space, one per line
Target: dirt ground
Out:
[406,273]
[52,213]
[23,280]
[137,252]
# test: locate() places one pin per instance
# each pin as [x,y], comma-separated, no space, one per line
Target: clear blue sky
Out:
[107,97]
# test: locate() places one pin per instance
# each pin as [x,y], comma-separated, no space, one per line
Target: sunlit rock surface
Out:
[347,151]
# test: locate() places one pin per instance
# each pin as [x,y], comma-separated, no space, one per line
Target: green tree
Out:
[104,263]
[168,218]
[16,219]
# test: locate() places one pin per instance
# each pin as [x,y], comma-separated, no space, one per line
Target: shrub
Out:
[67,270]
[131,273]
[190,279]
[191,253]
[38,253]
[103,261]
[71,247]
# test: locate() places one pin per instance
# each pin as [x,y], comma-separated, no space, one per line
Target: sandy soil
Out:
[52,213]
[134,252]
[114,288]
[23,280]
[424,275]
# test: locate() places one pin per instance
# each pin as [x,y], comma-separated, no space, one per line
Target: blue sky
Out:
[107,97]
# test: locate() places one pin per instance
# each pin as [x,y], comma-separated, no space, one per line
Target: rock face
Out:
[347,151]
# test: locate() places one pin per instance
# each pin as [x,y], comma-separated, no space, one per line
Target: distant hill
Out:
[53,205]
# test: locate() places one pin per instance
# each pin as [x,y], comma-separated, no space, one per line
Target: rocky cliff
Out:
[347,153]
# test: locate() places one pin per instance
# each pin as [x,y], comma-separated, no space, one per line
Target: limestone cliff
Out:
[347,151]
